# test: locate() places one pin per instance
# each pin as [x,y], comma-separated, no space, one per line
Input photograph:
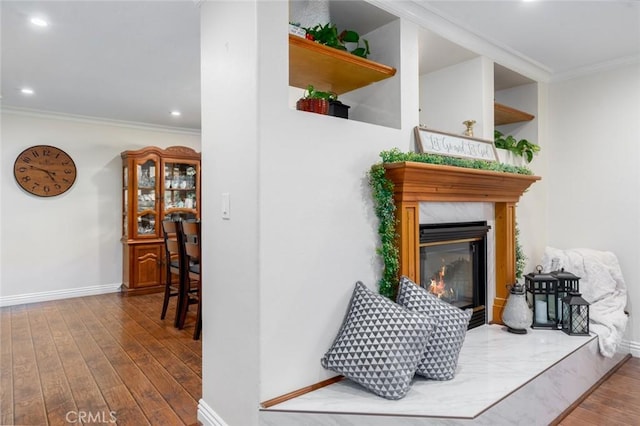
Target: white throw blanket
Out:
[602,285]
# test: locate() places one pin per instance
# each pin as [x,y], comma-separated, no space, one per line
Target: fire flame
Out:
[438,286]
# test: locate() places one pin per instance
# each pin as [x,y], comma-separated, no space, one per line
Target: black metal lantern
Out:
[575,315]
[543,296]
[567,283]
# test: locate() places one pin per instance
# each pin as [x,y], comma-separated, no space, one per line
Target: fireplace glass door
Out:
[453,265]
[447,271]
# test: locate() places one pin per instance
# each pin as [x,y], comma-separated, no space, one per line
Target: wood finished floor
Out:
[99,354]
[95,355]
[615,402]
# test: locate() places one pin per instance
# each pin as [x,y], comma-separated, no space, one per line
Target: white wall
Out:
[68,245]
[457,93]
[594,178]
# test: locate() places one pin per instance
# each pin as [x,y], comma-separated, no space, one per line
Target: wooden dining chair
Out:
[191,230]
[174,257]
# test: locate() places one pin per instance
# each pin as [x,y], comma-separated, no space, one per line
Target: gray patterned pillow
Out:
[379,344]
[441,355]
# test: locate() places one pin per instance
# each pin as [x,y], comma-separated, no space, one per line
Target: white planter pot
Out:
[508,157]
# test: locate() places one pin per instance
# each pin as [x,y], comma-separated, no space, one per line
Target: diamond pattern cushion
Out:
[441,355]
[379,344]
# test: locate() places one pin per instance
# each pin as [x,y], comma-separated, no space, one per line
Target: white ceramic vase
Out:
[516,315]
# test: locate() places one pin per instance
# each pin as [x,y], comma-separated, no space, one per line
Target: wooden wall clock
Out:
[44,170]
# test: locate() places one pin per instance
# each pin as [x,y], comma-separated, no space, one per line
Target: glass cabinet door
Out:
[146,209]
[180,190]
[125,200]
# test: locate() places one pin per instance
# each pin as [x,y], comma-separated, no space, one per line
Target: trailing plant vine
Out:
[521,258]
[385,208]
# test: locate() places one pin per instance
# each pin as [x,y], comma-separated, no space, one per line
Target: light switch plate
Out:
[226,206]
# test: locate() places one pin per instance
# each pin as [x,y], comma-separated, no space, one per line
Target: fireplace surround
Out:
[421,182]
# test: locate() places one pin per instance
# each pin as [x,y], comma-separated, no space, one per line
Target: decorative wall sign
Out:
[441,143]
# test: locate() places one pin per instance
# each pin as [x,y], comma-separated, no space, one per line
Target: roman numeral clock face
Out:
[44,170]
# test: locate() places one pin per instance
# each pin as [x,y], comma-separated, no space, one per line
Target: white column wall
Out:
[230,250]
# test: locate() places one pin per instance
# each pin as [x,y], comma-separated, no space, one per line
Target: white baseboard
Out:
[45,296]
[634,347]
[207,416]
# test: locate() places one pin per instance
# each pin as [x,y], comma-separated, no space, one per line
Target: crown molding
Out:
[28,112]
[595,68]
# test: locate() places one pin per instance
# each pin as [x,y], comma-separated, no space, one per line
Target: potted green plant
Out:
[322,103]
[315,101]
[520,148]
[348,40]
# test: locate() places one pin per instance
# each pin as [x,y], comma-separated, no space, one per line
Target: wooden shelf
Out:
[329,69]
[507,115]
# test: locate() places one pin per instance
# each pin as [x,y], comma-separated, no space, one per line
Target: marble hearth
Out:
[500,378]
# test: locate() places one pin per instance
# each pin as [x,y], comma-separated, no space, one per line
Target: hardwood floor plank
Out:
[150,310]
[86,392]
[124,405]
[113,340]
[184,365]
[6,368]
[121,363]
[55,387]
[136,346]
[29,408]
[615,402]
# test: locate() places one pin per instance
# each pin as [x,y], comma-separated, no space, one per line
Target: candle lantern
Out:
[543,296]
[567,283]
[575,315]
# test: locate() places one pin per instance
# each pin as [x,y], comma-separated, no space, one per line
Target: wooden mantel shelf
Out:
[432,182]
[329,69]
[506,115]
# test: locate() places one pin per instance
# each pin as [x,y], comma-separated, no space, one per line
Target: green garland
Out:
[521,258]
[385,208]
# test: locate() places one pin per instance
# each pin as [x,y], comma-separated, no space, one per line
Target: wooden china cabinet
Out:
[157,184]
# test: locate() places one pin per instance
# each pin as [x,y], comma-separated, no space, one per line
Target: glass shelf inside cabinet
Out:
[179,176]
[179,188]
[147,224]
[146,174]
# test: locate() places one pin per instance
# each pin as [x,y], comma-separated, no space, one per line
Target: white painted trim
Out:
[28,112]
[45,296]
[207,416]
[634,347]
[595,68]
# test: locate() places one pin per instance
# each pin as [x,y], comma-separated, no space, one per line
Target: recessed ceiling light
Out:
[176,113]
[26,91]
[39,22]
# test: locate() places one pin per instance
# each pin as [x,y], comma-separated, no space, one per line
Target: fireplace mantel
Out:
[420,182]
